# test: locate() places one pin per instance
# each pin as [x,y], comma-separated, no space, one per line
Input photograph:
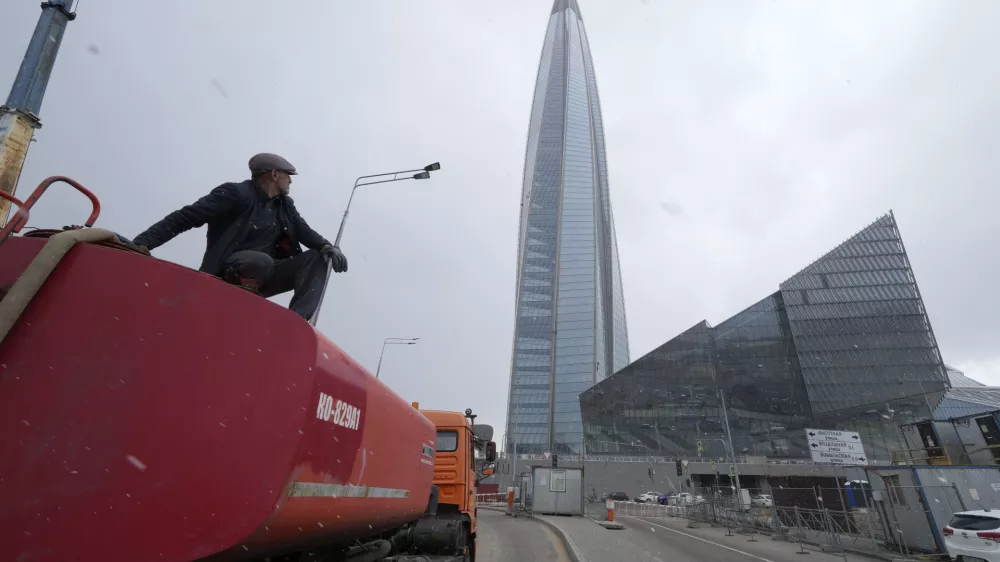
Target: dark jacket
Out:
[229,213]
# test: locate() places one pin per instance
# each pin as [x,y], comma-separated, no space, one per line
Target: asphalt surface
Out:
[506,539]
[670,540]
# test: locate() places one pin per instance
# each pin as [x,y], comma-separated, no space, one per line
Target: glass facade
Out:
[844,344]
[859,325]
[570,329]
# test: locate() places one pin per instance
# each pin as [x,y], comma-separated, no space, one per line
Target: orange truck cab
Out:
[465,454]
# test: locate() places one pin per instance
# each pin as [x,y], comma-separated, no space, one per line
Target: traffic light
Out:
[555,460]
[680,468]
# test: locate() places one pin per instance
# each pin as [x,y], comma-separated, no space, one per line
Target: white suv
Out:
[973,536]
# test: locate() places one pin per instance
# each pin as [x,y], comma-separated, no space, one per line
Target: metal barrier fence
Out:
[860,530]
[491,500]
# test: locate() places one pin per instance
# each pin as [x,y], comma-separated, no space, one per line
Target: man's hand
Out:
[336,257]
[142,249]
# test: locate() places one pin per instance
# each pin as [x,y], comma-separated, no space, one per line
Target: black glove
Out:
[336,257]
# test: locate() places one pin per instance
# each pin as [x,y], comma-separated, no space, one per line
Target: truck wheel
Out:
[464,544]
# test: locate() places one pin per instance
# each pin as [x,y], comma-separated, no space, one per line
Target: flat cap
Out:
[266,161]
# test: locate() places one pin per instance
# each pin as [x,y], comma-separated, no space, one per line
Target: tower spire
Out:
[563,5]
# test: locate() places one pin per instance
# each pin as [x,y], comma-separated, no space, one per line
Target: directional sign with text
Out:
[836,447]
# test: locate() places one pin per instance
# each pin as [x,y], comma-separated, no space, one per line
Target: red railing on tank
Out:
[20,218]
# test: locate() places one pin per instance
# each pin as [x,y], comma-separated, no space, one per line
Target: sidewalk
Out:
[765,548]
[670,540]
[589,542]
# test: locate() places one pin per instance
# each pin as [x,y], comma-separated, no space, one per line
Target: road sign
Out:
[836,447]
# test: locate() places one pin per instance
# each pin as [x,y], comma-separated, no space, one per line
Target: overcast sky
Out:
[745,138]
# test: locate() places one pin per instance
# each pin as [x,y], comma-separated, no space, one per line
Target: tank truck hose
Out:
[34,276]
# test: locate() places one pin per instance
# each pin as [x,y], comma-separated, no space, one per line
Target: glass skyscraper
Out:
[570,326]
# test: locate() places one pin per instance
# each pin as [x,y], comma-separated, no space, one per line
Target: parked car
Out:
[761,500]
[649,497]
[685,498]
[973,536]
[618,496]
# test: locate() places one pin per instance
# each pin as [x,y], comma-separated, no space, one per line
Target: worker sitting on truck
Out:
[254,232]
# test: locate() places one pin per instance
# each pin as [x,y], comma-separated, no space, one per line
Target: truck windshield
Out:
[447,441]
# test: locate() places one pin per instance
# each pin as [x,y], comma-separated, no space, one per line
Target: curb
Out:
[571,549]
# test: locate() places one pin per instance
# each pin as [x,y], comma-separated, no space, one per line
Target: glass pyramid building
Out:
[844,344]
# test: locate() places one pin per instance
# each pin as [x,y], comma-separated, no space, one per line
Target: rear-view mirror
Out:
[491,452]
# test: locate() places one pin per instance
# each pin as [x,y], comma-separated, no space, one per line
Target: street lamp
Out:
[393,341]
[729,433]
[732,451]
[421,174]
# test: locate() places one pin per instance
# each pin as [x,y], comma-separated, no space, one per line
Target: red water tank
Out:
[151,412]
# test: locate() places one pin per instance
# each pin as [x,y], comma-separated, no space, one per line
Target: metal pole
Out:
[357,184]
[322,295]
[347,210]
[19,116]
[393,341]
[379,368]
[513,463]
[340,231]
[732,452]
[799,531]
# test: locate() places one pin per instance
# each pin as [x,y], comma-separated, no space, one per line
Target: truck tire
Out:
[464,545]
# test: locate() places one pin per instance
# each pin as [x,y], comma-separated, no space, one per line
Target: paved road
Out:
[670,541]
[505,539]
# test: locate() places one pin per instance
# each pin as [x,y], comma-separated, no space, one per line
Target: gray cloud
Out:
[779,128]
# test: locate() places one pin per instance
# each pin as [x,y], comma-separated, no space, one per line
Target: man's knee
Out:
[312,262]
[248,268]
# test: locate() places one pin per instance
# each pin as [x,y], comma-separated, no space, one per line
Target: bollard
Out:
[611,510]
[510,501]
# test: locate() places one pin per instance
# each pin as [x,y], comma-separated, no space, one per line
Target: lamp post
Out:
[392,341]
[421,174]
[650,453]
[729,436]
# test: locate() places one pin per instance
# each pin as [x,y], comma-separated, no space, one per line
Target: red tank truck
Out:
[141,420]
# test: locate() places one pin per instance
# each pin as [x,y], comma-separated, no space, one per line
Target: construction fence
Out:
[870,522]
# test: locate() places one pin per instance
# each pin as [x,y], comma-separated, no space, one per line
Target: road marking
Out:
[703,540]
